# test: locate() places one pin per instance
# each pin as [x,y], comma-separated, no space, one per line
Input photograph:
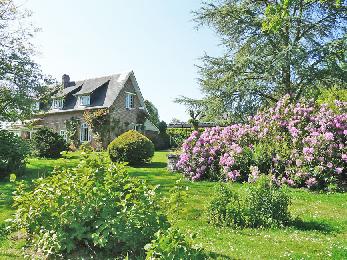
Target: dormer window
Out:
[84,100]
[58,103]
[129,100]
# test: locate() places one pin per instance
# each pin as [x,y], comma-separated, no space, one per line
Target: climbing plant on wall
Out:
[72,126]
[100,122]
[141,117]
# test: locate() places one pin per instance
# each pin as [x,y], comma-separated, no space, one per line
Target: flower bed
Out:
[299,144]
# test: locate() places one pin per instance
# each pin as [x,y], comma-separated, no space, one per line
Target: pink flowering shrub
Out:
[299,144]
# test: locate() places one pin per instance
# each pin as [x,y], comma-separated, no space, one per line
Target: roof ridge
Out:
[100,77]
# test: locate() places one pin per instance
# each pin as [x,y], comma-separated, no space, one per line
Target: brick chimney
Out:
[66,80]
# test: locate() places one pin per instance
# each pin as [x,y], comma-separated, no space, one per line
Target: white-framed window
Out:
[63,134]
[129,100]
[85,133]
[58,103]
[36,106]
[138,127]
[84,100]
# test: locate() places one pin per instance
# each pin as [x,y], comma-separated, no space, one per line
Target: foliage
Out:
[301,144]
[100,122]
[13,151]
[161,141]
[171,244]
[272,48]
[131,147]
[153,114]
[179,135]
[194,108]
[321,214]
[21,78]
[95,205]
[47,143]
[262,205]
[162,126]
[86,147]
[72,126]
[329,96]
[141,117]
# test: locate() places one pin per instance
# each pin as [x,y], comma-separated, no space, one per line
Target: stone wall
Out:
[119,113]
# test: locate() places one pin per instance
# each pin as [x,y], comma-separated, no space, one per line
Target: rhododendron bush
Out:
[299,144]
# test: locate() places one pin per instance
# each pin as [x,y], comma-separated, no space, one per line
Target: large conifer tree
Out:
[272,48]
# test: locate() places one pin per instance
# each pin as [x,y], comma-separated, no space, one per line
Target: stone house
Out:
[119,93]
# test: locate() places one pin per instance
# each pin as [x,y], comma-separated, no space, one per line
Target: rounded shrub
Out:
[13,151]
[131,147]
[47,143]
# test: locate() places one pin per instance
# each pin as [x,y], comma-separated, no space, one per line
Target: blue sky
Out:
[155,38]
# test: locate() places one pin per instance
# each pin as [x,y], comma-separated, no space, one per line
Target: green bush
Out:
[162,126]
[161,141]
[13,151]
[47,143]
[131,147]
[263,205]
[171,245]
[86,147]
[94,206]
[179,135]
[330,95]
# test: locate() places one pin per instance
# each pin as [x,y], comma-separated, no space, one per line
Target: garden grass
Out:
[320,231]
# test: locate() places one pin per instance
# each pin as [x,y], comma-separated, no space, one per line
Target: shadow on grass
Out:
[313,225]
[152,165]
[6,190]
[157,165]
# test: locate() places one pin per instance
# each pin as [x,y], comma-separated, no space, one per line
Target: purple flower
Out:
[329,136]
[233,175]
[339,170]
[311,182]
[308,150]
[298,162]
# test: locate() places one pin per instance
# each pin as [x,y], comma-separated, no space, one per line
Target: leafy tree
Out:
[21,79]
[153,112]
[194,108]
[162,126]
[272,48]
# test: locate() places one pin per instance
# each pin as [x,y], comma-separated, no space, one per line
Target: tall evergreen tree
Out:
[272,48]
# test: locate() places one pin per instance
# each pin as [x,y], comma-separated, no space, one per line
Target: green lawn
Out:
[321,234]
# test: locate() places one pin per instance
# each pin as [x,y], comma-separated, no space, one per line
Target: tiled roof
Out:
[102,90]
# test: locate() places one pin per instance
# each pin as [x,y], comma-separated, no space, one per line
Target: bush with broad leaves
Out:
[94,206]
[302,145]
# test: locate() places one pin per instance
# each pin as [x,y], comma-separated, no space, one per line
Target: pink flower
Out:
[298,162]
[233,175]
[339,170]
[329,136]
[311,182]
[308,150]
[330,165]
[290,182]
